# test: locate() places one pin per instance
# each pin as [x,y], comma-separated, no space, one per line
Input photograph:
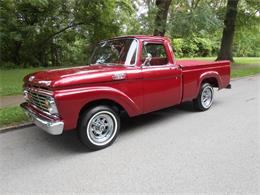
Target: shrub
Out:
[194,46]
[8,65]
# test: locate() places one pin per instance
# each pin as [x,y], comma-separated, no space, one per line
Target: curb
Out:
[14,127]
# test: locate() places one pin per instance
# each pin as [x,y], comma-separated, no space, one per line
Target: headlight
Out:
[51,105]
[25,95]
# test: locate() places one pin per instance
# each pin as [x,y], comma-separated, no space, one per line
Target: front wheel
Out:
[205,97]
[99,127]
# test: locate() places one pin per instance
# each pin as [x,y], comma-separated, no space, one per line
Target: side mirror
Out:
[147,60]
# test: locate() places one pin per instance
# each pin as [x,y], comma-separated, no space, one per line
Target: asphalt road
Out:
[173,151]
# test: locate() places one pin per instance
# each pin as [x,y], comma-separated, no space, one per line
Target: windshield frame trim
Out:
[130,65]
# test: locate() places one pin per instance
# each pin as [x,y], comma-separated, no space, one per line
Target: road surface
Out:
[173,151]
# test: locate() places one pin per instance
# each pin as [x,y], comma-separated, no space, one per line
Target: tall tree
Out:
[225,52]
[161,16]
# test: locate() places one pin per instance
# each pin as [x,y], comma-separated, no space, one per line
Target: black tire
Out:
[92,126]
[198,102]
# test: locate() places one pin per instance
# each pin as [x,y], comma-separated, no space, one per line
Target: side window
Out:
[158,53]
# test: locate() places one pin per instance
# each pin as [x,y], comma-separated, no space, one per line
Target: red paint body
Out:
[144,89]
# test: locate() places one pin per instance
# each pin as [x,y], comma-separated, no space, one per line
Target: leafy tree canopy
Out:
[62,32]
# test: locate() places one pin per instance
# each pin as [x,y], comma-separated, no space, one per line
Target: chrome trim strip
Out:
[47,113]
[39,90]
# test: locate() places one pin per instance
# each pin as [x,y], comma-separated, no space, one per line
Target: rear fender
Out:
[208,75]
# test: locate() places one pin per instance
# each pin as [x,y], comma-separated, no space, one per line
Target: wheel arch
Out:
[104,102]
[211,77]
[72,102]
[211,80]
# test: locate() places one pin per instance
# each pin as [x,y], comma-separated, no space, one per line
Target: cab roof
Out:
[143,37]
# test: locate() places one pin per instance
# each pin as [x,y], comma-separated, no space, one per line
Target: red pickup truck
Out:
[132,74]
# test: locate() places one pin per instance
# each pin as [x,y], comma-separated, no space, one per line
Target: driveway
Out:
[172,151]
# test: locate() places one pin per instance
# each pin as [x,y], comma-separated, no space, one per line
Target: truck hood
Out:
[73,76]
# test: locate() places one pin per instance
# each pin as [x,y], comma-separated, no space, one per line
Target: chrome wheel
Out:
[101,128]
[207,97]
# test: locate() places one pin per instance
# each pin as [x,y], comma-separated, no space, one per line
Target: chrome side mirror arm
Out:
[147,60]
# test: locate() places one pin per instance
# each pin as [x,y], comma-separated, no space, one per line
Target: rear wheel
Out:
[99,127]
[205,97]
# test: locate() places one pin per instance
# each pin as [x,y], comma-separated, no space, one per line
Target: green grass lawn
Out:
[242,66]
[237,60]
[11,116]
[246,60]
[242,72]
[12,80]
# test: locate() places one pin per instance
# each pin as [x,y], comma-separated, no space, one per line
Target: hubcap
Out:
[102,128]
[207,97]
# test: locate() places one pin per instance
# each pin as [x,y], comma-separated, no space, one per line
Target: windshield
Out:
[115,52]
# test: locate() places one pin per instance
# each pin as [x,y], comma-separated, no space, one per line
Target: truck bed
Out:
[196,64]
[193,71]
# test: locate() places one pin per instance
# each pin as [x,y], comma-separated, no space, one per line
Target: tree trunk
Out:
[161,17]
[53,57]
[225,52]
[16,53]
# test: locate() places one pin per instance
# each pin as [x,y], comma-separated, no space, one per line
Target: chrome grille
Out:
[38,100]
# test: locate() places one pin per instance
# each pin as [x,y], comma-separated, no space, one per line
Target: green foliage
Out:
[139,23]
[46,32]
[195,28]
[194,46]
[247,35]
[188,21]
[247,44]
[177,45]
[63,32]
[202,23]
[8,65]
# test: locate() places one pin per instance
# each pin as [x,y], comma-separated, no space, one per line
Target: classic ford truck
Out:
[131,74]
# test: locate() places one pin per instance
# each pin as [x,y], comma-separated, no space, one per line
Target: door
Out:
[161,79]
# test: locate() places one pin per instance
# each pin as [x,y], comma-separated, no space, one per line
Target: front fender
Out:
[70,102]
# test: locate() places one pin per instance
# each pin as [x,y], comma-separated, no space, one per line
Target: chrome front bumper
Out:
[51,127]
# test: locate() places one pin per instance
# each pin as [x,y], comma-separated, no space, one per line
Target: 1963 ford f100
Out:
[132,74]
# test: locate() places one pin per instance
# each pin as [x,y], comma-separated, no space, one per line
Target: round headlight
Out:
[51,105]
